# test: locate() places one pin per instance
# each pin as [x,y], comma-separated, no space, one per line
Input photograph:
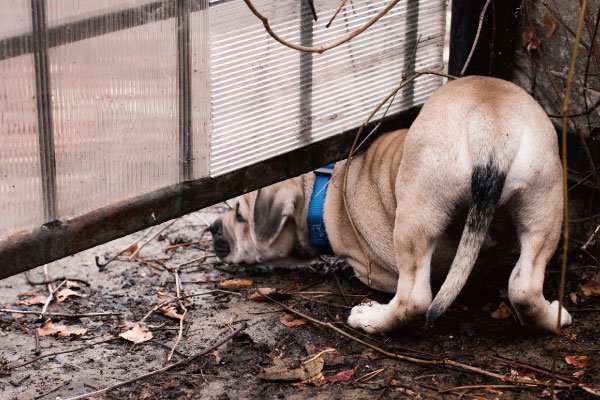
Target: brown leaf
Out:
[131,249]
[139,333]
[568,333]
[579,373]
[171,312]
[342,376]
[260,293]
[65,293]
[290,321]
[592,286]
[34,299]
[235,283]
[72,285]
[306,370]
[502,312]
[549,24]
[578,361]
[49,328]
[523,375]
[17,315]
[329,357]
[573,297]
[217,355]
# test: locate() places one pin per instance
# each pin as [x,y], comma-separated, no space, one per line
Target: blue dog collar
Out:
[317,236]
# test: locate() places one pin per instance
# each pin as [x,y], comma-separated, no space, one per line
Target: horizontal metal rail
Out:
[52,241]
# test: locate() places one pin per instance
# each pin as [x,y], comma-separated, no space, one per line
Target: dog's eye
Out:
[238,216]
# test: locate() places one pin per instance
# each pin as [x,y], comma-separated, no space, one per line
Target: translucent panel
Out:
[15,16]
[63,11]
[115,116]
[21,204]
[268,99]
[201,107]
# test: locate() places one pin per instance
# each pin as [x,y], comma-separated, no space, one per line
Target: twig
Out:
[439,362]
[165,369]
[565,249]
[48,281]
[481,17]
[472,387]
[324,48]
[591,238]
[15,366]
[180,333]
[61,315]
[50,297]
[52,390]
[532,368]
[313,11]
[187,296]
[164,228]
[102,266]
[342,4]
[578,113]
[176,246]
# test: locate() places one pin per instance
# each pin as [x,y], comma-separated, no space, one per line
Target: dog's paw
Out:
[565,317]
[370,317]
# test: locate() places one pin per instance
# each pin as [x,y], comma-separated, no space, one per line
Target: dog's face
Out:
[261,227]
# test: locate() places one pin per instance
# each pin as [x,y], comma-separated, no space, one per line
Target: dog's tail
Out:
[487,183]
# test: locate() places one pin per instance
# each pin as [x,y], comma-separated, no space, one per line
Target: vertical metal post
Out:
[306,73]
[184,83]
[44,108]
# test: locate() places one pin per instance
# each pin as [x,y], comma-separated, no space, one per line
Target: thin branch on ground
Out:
[165,369]
[182,305]
[49,281]
[40,357]
[50,297]
[140,247]
[591,239]
[476,40]
[102,266]
[324,48]
[61,315]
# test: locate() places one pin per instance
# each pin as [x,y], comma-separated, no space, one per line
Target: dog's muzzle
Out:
[220,244]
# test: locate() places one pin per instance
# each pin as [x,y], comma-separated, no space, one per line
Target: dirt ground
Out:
[478,331]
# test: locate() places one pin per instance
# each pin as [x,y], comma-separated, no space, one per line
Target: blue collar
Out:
[316,227]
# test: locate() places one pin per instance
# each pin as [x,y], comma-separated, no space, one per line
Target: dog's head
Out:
[263,226]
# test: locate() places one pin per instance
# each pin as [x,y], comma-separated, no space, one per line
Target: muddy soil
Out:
[478,331]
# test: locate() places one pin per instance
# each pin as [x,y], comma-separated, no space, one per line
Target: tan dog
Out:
[481,149]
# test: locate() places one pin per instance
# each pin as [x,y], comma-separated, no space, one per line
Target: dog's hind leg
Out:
[538,224]
[419,222]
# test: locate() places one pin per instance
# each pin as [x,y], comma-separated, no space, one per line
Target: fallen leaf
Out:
[131,249]
[49,328]
[171,312]
[502,312]
[342,376]
[261,293]
[523,375]
[549,24]
[330,358]
[290,321]
[34,299]
[568,333]
[592,286]
[573,297]
[65,293]
[235,283]
[579,374]
[217,355]
[304,371]
[578,361]
[17,315]
[139,333]
[72,285]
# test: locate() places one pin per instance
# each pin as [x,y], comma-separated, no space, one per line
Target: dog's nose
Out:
[216,226]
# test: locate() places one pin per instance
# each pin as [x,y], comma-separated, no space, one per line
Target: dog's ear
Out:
[272,209]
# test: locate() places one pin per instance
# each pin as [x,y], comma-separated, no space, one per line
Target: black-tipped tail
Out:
[487,183]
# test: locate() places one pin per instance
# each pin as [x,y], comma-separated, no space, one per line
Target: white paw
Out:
[565,317]
[370,317]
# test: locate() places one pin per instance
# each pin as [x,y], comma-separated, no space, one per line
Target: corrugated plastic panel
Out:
[21,204]
[268,99]
[115,114]
[201,108]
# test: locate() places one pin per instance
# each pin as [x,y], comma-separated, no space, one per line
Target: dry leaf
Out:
[131,249]
[579,374]
[64,294]
[502,312]
[342,376]
[17,315]
[171,312]
[330,358]
[217,355]
[523,375]
[304,371]
[549,24]
[592,286]
[235,283]
[568,333]
[139,333]
[578,361]
[290,321]
[49,328]
[34,299]
[573,297]
[260,293]
[72,285]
